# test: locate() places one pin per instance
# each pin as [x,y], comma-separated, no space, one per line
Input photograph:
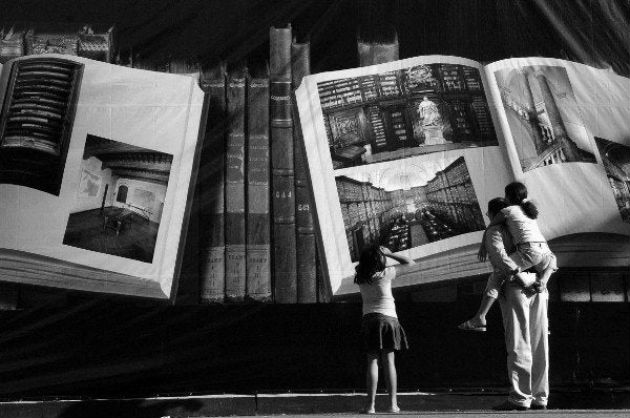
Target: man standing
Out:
[525,322]
[526,327]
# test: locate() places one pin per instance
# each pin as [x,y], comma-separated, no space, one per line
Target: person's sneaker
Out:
[538,407]
[509,406]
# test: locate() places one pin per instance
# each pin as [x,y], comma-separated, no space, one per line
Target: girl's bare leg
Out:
[371,382]
[391,378]
[484,307]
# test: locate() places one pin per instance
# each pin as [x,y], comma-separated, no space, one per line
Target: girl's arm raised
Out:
[402,259]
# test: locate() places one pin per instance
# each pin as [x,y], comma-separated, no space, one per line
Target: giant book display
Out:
[97,171]
[408,153]
[282,175]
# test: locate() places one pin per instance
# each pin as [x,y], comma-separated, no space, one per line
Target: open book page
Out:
[120,200]
[403,154]
[568,139]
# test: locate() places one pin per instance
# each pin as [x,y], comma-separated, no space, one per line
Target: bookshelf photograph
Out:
[36,122]
[543,115]
[417,110]
[120,199]
[402,206]
[616,159]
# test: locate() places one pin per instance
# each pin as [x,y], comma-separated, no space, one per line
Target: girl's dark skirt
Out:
[382,332]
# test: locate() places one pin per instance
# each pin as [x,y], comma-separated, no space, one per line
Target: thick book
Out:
[306,273]
[444,135]
[211,189]
[258,188]
[98,168]
[189,285]
[283,182]
[371,53]
[235,205]
[11,43]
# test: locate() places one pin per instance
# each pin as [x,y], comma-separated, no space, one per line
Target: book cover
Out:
[305,232]
[235,204]
[188,284]
[283,183]
[97,176]
[211,189]
[258,187]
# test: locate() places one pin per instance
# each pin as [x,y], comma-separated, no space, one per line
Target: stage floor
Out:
[599,403]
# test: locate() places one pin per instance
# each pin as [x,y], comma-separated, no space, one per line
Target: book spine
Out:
[235,237]
[212,193]
[188,284]
[305,232]
[11,45]
[258,197]
[324,293]
[371,53]
[283,188]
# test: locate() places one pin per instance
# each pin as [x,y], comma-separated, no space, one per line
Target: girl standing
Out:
[382,333]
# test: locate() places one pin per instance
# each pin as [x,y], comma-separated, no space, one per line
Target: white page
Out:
[407,167]
[148,110]
[574,196]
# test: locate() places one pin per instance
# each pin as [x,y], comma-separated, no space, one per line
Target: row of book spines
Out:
[295,270]
[257,191]
[247,255]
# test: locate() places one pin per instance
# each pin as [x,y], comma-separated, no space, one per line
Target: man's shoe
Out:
[509,406]
[538,407]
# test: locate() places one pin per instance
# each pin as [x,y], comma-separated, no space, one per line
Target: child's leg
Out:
[546,268]
[391,378]
[371,381]
[484,307]
[490,294]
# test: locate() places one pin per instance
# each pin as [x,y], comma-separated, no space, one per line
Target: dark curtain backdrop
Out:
[590,31]
[73,344]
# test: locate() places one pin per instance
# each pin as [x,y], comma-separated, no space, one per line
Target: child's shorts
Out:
[382,332]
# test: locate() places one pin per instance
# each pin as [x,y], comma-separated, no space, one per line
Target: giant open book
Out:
[97,168]
[408,154]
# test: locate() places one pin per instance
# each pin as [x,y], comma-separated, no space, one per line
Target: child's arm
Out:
[483,253]
[498,219]
[402,259]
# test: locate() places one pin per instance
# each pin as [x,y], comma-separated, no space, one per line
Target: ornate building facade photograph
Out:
[616,159]
[542,113]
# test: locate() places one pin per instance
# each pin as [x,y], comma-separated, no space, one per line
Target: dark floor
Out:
[135,238]
[469,405]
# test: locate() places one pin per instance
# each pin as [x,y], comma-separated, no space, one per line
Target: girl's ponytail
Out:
[516,194]
[529,209]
